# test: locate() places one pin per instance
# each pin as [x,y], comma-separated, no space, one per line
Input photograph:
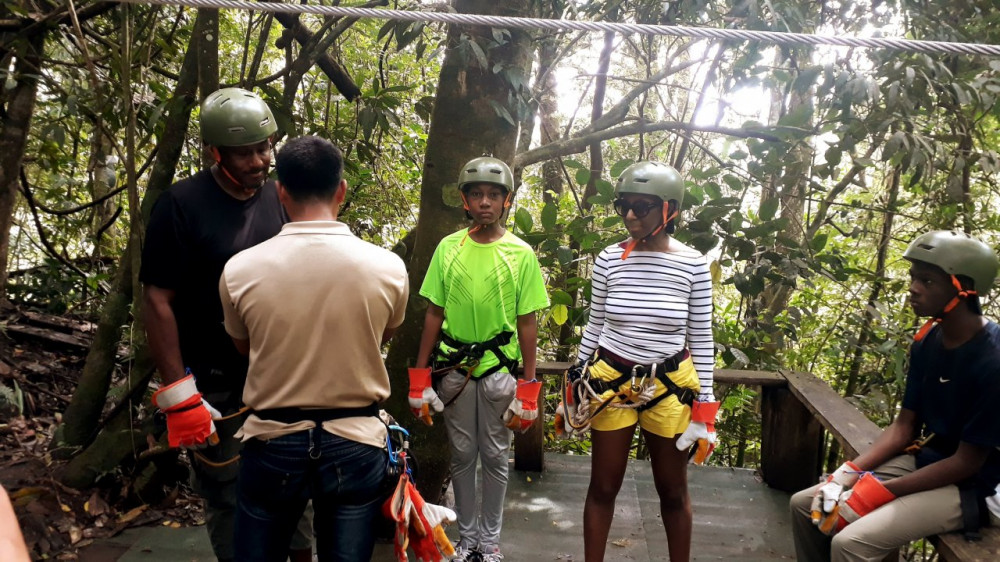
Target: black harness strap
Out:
[317,415]
[475,351]
[686,396]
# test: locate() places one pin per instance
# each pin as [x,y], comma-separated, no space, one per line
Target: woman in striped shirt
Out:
[649,352]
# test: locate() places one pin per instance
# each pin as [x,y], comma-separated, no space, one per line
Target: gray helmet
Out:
[486,169]
[235,117]
[652,178]
[956,253]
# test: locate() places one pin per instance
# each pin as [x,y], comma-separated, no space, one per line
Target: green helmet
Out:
[235,117]
[956,253]
[652,178]
[486,169]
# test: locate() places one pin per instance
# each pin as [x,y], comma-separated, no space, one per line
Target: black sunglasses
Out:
[640,208]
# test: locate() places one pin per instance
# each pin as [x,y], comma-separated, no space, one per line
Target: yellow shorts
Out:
[667,418]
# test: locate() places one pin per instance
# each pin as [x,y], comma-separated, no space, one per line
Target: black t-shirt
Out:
[956,395]
[194,229]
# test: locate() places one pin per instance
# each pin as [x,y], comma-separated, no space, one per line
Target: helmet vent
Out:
[497,172]
[640,180]
[265,121]
[236,129]
[925,246]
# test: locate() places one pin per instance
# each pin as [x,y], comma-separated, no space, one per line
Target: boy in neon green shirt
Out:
[484,286]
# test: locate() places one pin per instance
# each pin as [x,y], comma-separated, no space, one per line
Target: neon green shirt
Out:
[483,288]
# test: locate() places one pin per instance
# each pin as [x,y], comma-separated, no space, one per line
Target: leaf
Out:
[550,215]
[768,208]
[716,270]
[819,242]
[620,166]
[522,218]
[502,112]
[565,255]
[480,55]
[560,314]
[132,514]
[582,176]
[560,296]
[741,359]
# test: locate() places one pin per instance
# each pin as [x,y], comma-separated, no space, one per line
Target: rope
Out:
[779,38]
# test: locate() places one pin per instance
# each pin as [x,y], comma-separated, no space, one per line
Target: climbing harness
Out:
[637,394]
[467,356]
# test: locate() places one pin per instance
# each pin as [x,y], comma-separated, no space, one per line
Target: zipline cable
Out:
[777,37]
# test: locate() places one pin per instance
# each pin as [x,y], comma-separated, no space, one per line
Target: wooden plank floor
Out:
[736,517]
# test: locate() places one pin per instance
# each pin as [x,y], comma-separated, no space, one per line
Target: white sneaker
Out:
[493,556]
[465,553]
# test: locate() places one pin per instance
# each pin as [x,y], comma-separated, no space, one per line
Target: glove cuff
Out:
[704,412]
[870,494]
[846,475]
[419,378]
[528,390]
[176,393]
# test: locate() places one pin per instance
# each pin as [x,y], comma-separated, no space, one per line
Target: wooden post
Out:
[528,446]
[791,441]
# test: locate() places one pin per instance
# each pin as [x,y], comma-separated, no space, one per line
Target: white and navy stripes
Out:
[649,307]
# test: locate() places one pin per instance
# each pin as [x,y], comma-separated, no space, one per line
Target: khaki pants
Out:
[217,485]
[882,531]
[476,431]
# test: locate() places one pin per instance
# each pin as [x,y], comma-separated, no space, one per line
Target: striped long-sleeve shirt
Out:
[649,307]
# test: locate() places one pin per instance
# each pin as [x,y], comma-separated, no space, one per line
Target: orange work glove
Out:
[398,508]
[523,409]
[700,430]
[189,416]
[825,497]
[427,538]
[422,396]
[865,497]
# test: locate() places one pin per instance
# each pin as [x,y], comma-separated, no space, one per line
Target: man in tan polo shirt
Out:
[312,307]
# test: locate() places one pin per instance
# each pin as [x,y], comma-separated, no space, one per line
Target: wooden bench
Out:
[796,408]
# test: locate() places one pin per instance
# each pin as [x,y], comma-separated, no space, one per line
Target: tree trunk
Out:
[84,411]
[16,122]
[464,125]
[206,36]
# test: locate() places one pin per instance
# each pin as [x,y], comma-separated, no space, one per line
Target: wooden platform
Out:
[736,517]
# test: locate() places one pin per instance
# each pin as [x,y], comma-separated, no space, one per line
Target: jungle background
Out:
[808,170]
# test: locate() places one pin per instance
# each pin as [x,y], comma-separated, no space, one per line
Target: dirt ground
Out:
[41,358]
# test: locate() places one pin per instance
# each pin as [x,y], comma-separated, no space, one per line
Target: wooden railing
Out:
[796,408]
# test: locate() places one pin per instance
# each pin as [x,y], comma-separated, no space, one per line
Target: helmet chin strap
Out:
[962,295]
[465,205]
[666,218]
[218,161]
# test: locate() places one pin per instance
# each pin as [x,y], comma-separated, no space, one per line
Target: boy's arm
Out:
[432,329]
[965,463]
[527,339]
[891,443]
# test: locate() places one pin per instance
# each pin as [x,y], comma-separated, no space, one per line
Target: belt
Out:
[317,415]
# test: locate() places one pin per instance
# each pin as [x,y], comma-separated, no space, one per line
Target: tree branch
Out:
[580,142]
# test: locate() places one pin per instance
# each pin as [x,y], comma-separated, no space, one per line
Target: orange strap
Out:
[962,294]
[633,243]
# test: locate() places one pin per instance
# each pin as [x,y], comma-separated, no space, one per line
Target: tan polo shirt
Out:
[314,302]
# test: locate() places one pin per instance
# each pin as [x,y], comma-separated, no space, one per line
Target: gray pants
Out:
[476,430]
[217,485]
[882,531]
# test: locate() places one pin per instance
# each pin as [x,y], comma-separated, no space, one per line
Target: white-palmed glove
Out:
[701,430]
[825,497]
[422,397]
[189,416]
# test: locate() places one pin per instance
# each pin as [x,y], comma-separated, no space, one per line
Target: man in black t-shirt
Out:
[195,227]
[933,468]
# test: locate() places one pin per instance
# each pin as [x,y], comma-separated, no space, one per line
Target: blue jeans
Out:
[278,477]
